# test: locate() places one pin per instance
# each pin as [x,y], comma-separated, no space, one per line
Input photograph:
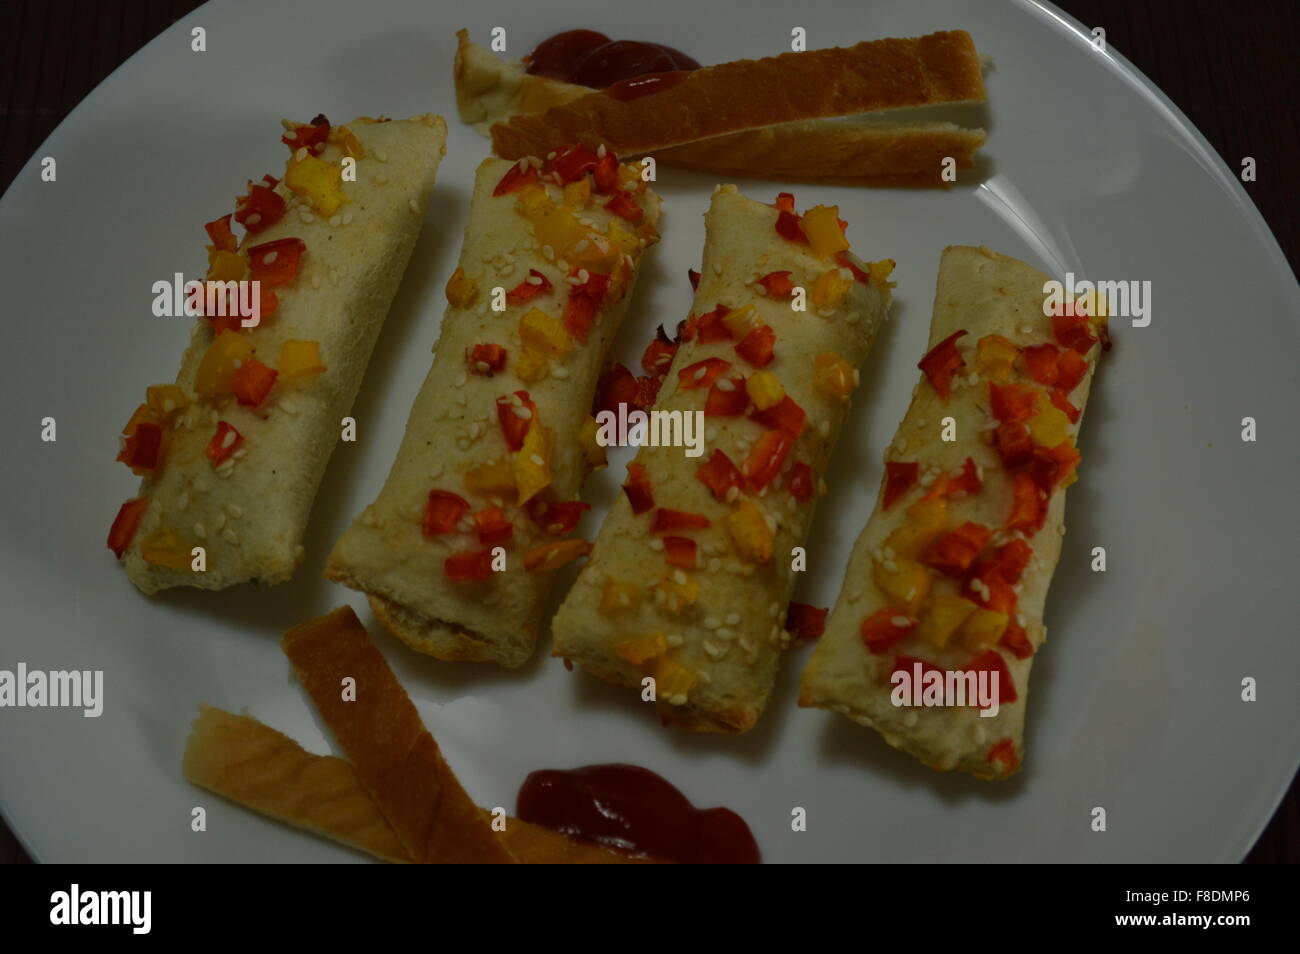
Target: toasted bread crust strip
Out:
[875,75]
[395,756]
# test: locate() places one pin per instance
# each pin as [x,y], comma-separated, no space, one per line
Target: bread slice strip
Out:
[749,94]
[396,758]
[248,762]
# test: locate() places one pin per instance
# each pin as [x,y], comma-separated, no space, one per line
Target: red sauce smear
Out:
[588,58]
[632,809]
[650,83]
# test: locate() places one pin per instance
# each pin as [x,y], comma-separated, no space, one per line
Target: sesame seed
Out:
[230,537]
[415,206]
[199,531]
[674,640]
[717,268]
[300,154]
[656,544]
[733,619]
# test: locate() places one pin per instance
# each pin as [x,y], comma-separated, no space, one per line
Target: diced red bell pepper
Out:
[680,552]
[647,390]
[252,382]
[571,163]
[1012,403]
[583,303]
[719,474]
[701,374]
[556,517]
[987,587]
[142,450]
[223,239]
[1011,559]
[637,488]
[1072,368]
[125,525]
[777,284]
[442,511]
[805,622]
[859,275]
[617,386]
[767,457]
[1049,466]
[694,277]
[659,354]
[487,358]
[886,628]
[1062,403]
[1042,363]
[788,227]
[515,419]
[709,326]
[493,526]
[955,551]
[757,347]
[224,443]
[785,415]
[726,400]
[1015,444]
[625,207]
[260,208]
[275,263]
[900,477]
[942,362]
[1073,330]
[800,483]
[469,565]
[968,481]
[1028,506]
[312,136]
[605,174]
[517,176]
[528,289]
[991,661]
[1004,752]
[666,520]
[1016,641]
[785,201]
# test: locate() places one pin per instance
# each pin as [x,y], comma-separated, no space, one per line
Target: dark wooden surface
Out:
[1228,64]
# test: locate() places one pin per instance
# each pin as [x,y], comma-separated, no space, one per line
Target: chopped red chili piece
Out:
[785,201]
[765,460]
[757,346]
[224,443]
[556,517]
[125,525]
[969,480]
[260,208]
[777,284]
[666,520]
[515,418]
[659,353]
[1072,368]
[584,301]
[275,263]
[312,136]
[467,566]
[859,274]
[1062,403]
[992,662]
[1042,363]
[955,551]
[900,476]
[1029,505]
[252,382]
[694,276]
[886,628]
[487,358]
[1050,466]
[625,207]
[1004,751]
[529,289]
[788,227]
[1011,559]
[727,398]
[571,163]
[680,552]
[701,374]
[1016,641]
[800,483]
[805,622]
[637,488]
[988,588]
[517,176]
[1012,403]
[442,511]
[647,390]
[785,415]
[605,174]
[223,240]
[709,326]
[719,474]
[942,362]
[143,449]
[1015,444]
[1073,330]
[617,386]
[493,526]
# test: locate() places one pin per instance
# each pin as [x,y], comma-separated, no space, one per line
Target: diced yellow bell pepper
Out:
[533,463]
[544,334]
[1049,426]
[592,251]
[578,194]
[829,288]
[493,479]
[617,596]
[673,681]
[679,591]
[764,389]
[880,272]
[347,142]
[165,548]
[749,532]
[904,581]
[593,451]
[299,359]
[318,181]
[228,351]
[167,400]
[741,321]
[552,556]
[983,628]
[557,228]
[532,365]
[226,266]
[926,521]
[533,202]
[462,291]
[942,619]
[832,375]
[995,358]
[622,239]
[640,649]
[822,227]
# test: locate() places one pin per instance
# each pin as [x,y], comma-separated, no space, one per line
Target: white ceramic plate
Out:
[1135,702]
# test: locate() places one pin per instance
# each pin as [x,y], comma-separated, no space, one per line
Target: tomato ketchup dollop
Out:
[588,58]
[632,809]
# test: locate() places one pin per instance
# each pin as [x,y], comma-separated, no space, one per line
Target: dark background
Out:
[1228,64]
